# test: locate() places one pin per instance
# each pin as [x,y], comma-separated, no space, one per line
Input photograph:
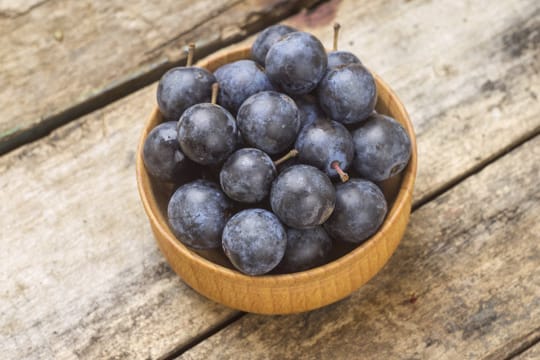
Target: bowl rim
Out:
[278,280]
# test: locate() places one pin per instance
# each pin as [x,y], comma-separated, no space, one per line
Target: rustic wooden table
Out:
[80,273]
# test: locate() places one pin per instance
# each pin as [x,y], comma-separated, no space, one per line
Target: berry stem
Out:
[342,174]
[336,34]
[286,157]
[215,90]
[191,54]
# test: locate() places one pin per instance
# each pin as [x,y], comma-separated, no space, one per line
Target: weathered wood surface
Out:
[464,281]
[113,296]
[81,274]
[532,353]
[60,58]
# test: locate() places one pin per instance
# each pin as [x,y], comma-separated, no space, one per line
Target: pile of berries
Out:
[259,152]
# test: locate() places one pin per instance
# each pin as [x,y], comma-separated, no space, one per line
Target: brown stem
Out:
[191,54]
[336,34]
[286,157]
[342,174]
[215,90]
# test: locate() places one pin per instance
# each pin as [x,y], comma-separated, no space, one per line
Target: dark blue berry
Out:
[326,145]
[238,81]
[266,39]
[309,109]
[348,94]
[296,63]
[197,213]
[247,175]
[254,241]
[382,148]
[359,212]
[162,156]
[306,249]
[207,133]
[182,87]
[341,58]
[269,121]
[302,196]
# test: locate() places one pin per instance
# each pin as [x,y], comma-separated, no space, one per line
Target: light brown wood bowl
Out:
[287,293]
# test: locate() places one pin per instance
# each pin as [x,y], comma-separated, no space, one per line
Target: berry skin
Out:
[306,249]
[296,63]
[269,121]
[162,156]
[324,142]
[309,109]
[238,81]
[182,87]
[360,211]
[198,212]
[341,58]
[382,148]
[348,94]
[254,241]
[207,133]
[266,39]
[302,196]
[247,175]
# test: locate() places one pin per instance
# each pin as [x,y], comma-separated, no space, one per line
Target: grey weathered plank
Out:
[63,58]
[81,274]
[464,281]
[532,353]
[515,347]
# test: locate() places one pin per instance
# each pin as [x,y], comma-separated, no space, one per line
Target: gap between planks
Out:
[127,85]
[508,352]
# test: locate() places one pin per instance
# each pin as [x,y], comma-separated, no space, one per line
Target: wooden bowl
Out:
[288,293]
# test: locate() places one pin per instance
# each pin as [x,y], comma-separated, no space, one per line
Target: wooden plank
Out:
[86,315]
[62,58]
[464,281]
[532,353]
[517,346]
[81,274]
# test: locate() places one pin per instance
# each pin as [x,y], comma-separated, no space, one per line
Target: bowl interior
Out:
[155,195]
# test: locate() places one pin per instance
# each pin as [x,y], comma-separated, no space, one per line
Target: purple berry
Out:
[326,145]
[306,249]
[296,63]
[348,94]
[197,214]
[266,39]
[247,175]
[302,196]
[359,212]
[382,148]
[238,81]
[207,133]
[254,241]
[269,121]
[162,156]
[182,87]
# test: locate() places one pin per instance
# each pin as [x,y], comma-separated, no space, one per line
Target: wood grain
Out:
[62,58]
[99,299]
[464,281]
[532,353]
[81,274]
